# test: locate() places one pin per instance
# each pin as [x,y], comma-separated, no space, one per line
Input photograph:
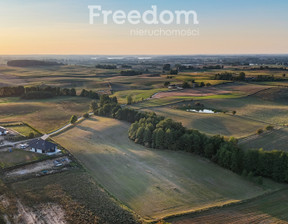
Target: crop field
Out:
[211,124]
[173,182]
[271,208]
[137,95]
[69,197]
[253,108]
[276,139]
[44,115]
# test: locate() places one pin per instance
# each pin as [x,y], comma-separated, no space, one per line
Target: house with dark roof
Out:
[42,146]
[3,131]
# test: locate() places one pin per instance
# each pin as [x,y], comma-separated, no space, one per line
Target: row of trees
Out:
[130,73]
[36,92]
[106,66]
[90,94]
[154,131]
[230,76]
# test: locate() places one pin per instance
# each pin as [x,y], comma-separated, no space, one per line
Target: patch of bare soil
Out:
[191,92]
[45,167]
[49,213]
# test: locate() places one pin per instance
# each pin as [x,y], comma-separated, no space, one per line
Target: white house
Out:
[3,131]
[42,146]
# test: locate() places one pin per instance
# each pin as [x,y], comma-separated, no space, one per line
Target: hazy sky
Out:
[62,27]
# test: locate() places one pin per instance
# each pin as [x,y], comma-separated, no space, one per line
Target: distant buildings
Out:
[175,86]
[3,131]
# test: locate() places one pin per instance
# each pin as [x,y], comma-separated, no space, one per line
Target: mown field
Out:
[268,209]
[44,115]
[253,107]
[276,139]
[173,182]
[16,157]
[212,124]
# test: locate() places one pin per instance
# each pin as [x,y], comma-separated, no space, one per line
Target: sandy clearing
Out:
[36,167]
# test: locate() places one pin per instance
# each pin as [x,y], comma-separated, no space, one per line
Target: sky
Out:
[62,27]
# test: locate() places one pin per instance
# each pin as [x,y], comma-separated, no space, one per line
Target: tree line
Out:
[230,76]
[158,132]
[36,92]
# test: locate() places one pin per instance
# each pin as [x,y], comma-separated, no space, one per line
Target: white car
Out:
[23,146]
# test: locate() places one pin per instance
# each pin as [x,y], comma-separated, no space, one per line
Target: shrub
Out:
[73,119]
[31,135]
[260,131]
[269,128]
[86,115]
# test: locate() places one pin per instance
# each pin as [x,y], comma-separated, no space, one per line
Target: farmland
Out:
[60,198]
[45,115]
[212,124]
[118,178]
[272,140]
[269,209]
[173,182]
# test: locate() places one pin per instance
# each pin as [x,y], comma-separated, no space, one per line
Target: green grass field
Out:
[16,157]
[268,209]
[137,95]
[24,130]
[173,182]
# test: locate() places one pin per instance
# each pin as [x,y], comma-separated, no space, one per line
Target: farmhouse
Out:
[175,86]
[42,146]
[3,131]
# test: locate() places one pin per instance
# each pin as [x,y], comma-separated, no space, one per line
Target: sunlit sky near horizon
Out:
[62,27]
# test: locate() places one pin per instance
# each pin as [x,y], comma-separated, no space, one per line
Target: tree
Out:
[166,83]
[73,92]
[73,119]
[166,67]
[269,128]
[174,72]
[31,135]
[242,76]
[139,135]
[86,115]
[234,112]
[260,131]
[104,99]
[93,105]
[147,139]
[129,100]
[159,138]
[185,85]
